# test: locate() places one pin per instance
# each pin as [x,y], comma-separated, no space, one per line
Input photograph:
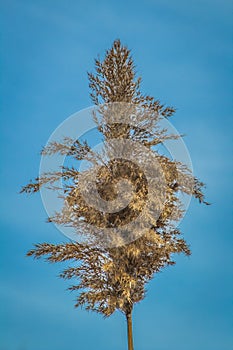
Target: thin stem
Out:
[129,331]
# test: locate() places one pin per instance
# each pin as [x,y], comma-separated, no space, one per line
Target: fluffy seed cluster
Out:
[114,278]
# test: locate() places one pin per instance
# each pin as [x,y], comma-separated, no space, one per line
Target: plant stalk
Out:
[129,331]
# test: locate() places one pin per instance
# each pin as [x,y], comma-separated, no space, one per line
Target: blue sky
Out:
[183,51]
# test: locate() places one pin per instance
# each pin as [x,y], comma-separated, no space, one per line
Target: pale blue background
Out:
[183,51]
